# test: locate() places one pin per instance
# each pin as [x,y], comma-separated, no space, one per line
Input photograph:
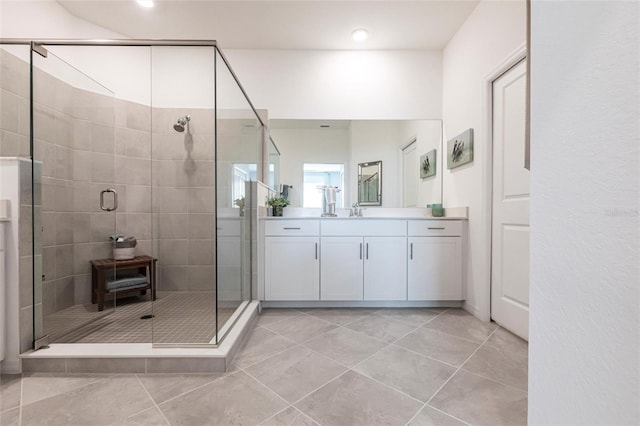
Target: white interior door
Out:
[510,227]
[410,175]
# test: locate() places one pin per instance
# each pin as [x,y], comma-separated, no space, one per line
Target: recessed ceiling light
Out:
[360,35]
[145,3]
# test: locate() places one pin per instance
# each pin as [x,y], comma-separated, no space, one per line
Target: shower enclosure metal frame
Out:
[38,46]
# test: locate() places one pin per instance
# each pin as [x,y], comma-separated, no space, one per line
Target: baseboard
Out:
[475,311]
[362,304]
[13,366]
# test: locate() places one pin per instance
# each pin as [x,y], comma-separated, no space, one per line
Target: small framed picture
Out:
[428,164]
[460,149]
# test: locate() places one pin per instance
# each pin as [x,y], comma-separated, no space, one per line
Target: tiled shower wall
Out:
[73,138]
[184,199]
[85,149]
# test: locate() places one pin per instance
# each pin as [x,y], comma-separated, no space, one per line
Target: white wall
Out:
[584,348]
[491,33]
[45,19]
[342,84]
[428,136]
[299,146]
[377,141]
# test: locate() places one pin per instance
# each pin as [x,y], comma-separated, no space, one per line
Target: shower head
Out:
[182,123]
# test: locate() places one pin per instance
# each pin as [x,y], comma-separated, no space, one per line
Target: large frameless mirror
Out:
[370,183]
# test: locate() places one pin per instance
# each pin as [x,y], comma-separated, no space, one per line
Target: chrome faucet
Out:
[355,210]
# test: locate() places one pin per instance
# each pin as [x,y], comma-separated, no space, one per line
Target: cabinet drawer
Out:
[292,227]
[435,228]
[364,227]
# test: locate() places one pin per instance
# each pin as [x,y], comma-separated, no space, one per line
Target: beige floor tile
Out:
[504,358]
[10,417]
[9,391]
[413,374]
[295,372]
[162,387]
[289,417]
[353,399]
[345,346]
[462,324]
[480,401]
[233,400]
[283,418]
[412,316]
[36,387]
[440,346]
[301,328]
[381,327]
[430,417]
[107,402]
[151,417]
[261,344]
[340,316]
[271,315]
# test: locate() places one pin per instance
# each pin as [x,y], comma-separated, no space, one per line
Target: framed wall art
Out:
[428,164]
[460,149]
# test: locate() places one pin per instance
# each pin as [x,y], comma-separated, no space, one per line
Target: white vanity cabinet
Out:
[434,269]
[342,268]
[385,271]
[292,260]
[363,260]
[229,248]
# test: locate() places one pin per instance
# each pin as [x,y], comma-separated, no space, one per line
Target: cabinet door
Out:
[229,268]
[385,268]
[292,270]
[435,268]
[341,268]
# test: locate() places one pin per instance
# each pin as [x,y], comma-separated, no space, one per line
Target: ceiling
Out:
[298,24]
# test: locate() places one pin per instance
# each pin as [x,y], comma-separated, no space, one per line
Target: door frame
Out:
[412,140]
[513,59]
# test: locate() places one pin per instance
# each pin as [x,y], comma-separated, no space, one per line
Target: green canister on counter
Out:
[436,210]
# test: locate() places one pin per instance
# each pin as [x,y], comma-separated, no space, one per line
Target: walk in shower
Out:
[134,139]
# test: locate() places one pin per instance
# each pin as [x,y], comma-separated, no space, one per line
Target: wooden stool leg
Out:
[101,291]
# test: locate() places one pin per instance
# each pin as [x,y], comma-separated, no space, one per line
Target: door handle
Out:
[411,250]
[316,251]
[367,251]
[115,200]
[360,251]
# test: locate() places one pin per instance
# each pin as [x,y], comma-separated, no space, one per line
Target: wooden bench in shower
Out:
[102,268]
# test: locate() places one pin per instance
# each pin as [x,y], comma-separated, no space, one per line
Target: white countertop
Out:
[362,218]
[377,213]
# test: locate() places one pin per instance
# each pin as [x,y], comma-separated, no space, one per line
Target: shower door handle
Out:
[115,200]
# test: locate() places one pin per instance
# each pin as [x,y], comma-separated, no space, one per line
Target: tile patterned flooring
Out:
[308,367]
[180,317]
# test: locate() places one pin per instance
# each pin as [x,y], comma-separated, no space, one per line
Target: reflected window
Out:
[242,172]
[316,175]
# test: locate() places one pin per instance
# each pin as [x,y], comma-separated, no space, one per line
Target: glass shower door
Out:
[75,199]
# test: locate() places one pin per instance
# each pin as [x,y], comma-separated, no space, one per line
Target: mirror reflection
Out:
[370,184]
[340,145]
[274,166]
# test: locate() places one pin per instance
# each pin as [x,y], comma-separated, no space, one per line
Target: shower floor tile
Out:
[179,317]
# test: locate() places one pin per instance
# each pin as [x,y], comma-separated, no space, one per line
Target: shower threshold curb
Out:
[140,357]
